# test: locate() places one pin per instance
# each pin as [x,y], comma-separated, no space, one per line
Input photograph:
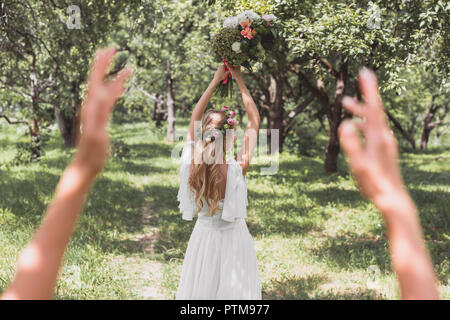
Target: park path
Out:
[144,274]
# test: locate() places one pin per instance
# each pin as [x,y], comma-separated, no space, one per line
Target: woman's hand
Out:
[235,71]
[220,75]
[101,98]
[374,165]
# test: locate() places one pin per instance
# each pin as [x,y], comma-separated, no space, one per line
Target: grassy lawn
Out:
[316,237]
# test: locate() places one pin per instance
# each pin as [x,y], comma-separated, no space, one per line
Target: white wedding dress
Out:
[220,261]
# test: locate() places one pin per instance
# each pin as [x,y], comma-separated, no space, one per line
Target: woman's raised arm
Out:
[251,132]
[199,109]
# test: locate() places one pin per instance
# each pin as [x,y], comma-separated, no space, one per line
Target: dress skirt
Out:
[220,262]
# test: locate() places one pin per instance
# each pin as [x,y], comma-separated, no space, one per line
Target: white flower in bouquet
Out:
[236,47]
[248,15]
[270,18]
[231,22]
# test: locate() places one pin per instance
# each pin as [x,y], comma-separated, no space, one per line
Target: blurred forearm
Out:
[39,262]
[410,259]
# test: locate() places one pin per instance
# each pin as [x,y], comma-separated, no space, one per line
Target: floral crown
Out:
[229,123]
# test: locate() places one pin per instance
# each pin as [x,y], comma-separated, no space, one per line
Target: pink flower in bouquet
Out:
[246,24]
[225,108]
[248,33]
[232,113]
[230,121]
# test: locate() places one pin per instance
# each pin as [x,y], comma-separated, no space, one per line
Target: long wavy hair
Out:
[205,176]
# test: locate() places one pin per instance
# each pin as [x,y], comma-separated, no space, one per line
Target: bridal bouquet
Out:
[244,40]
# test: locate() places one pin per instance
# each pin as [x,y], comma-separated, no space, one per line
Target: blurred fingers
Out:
[369,87]
[353,106]
[351,143]
[374,107]
[101,64]
[117,86]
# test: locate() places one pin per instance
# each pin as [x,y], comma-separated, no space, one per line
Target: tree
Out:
[41,46]
[420,107]
[24,78]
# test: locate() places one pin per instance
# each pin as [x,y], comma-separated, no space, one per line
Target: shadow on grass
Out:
[293,288]
[353,251]
[151,150]
[429,151]
[60,162]
[127,166]
[308,169]
[173,232]
[138,152]
[26,198]
[348,198]
[267,214]
[435,219]
[112,209]
[302,288]
[412,175]
[353,294]
[290,214]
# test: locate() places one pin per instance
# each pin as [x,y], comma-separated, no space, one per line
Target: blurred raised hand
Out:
[374,164]
[39,263]
[101,98]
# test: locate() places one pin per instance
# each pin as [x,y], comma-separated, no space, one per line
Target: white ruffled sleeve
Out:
[235,202]
[185,196]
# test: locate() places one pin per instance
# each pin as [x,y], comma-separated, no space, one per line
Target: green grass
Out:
[316,237]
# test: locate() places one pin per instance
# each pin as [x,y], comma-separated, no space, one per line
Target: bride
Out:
[220,261]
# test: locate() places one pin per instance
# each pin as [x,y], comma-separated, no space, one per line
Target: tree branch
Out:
[13,121]
[292,114]
[324,62]
[402,131]
[320,94]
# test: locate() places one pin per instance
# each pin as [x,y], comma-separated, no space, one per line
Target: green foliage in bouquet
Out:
[223,46]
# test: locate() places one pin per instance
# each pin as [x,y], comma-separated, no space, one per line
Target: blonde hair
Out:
[205,176]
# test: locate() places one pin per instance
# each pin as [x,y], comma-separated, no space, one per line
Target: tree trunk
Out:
[425,137]
[35,141]
[275,122]
[69,127]
[334,115]
[170,106]
[333,149]
[158,111]
[275,114]
[427,127]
